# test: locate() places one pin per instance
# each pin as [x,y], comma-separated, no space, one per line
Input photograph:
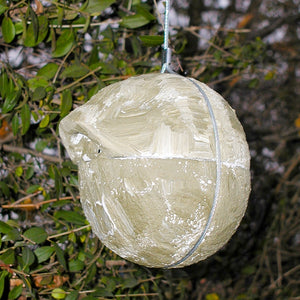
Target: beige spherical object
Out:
[148,157]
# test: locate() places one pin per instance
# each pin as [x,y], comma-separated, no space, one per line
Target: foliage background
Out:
[56,54]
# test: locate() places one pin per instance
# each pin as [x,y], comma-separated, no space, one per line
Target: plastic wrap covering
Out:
[145,148]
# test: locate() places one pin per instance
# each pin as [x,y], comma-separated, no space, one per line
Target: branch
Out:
[275,24]
[9,148]
[34,205]
[67,232]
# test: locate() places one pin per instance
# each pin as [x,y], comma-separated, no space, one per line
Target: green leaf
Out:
[4,188]
[19,171]
[25,117]
[60,256]
[141,18]
[3,83]
[66,103]
[15,292]
[12,96]
[41,145]
[36,234]
[36,31]
[91,273]
[3,9]
[43,28]
[43,253]
[8,257]
[36,82]
[152,40]
[76,265]
[253,83]
[95,7]
[71,217]
[58,293]
[57,182]
[74,71]
[15,124]
[34,24]
[60,15]
[72,296]
[48,71]
[45,121]
[5,228]
[39,93]
[8,29]
[106,68]
[3,274]
[212,296]
[270,75]
[130,283]
[64,43]
[29,173]
[32,189]
[73,180]
[11,233]
[110,283]
[28,257]
[10,103]
[249,270]
[102,292]
[19,27]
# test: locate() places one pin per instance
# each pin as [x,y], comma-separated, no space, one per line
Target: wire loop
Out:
[218,177]
[166,63]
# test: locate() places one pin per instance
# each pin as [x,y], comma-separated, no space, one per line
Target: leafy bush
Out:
[55,56]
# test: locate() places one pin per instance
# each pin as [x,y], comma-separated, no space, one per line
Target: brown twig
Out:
[78,80]
[286,274]
[67,232]
[34,205]
[293,163]
[10,148]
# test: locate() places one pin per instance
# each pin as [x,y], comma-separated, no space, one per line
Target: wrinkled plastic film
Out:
[149,193]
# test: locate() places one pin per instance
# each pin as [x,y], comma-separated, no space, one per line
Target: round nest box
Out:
[153,184]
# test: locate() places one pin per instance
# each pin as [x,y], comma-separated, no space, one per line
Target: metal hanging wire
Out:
[166,67]
[167,52]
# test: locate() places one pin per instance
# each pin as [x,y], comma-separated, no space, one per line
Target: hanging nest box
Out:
[146,152]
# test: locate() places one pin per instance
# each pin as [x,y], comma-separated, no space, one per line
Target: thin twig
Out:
[211,43]
[286,274]
[67,232]
[226,78]
[9,148]
[279,263]
[34,205]
[107,22]
[62,63]
[25,198]
[293,163]
[78,80]
[193,28]
[137,295]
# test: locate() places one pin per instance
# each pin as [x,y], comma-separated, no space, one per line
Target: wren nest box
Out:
[146,152]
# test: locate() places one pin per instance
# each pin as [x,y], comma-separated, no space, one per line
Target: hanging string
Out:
[166,63]
[166,59]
